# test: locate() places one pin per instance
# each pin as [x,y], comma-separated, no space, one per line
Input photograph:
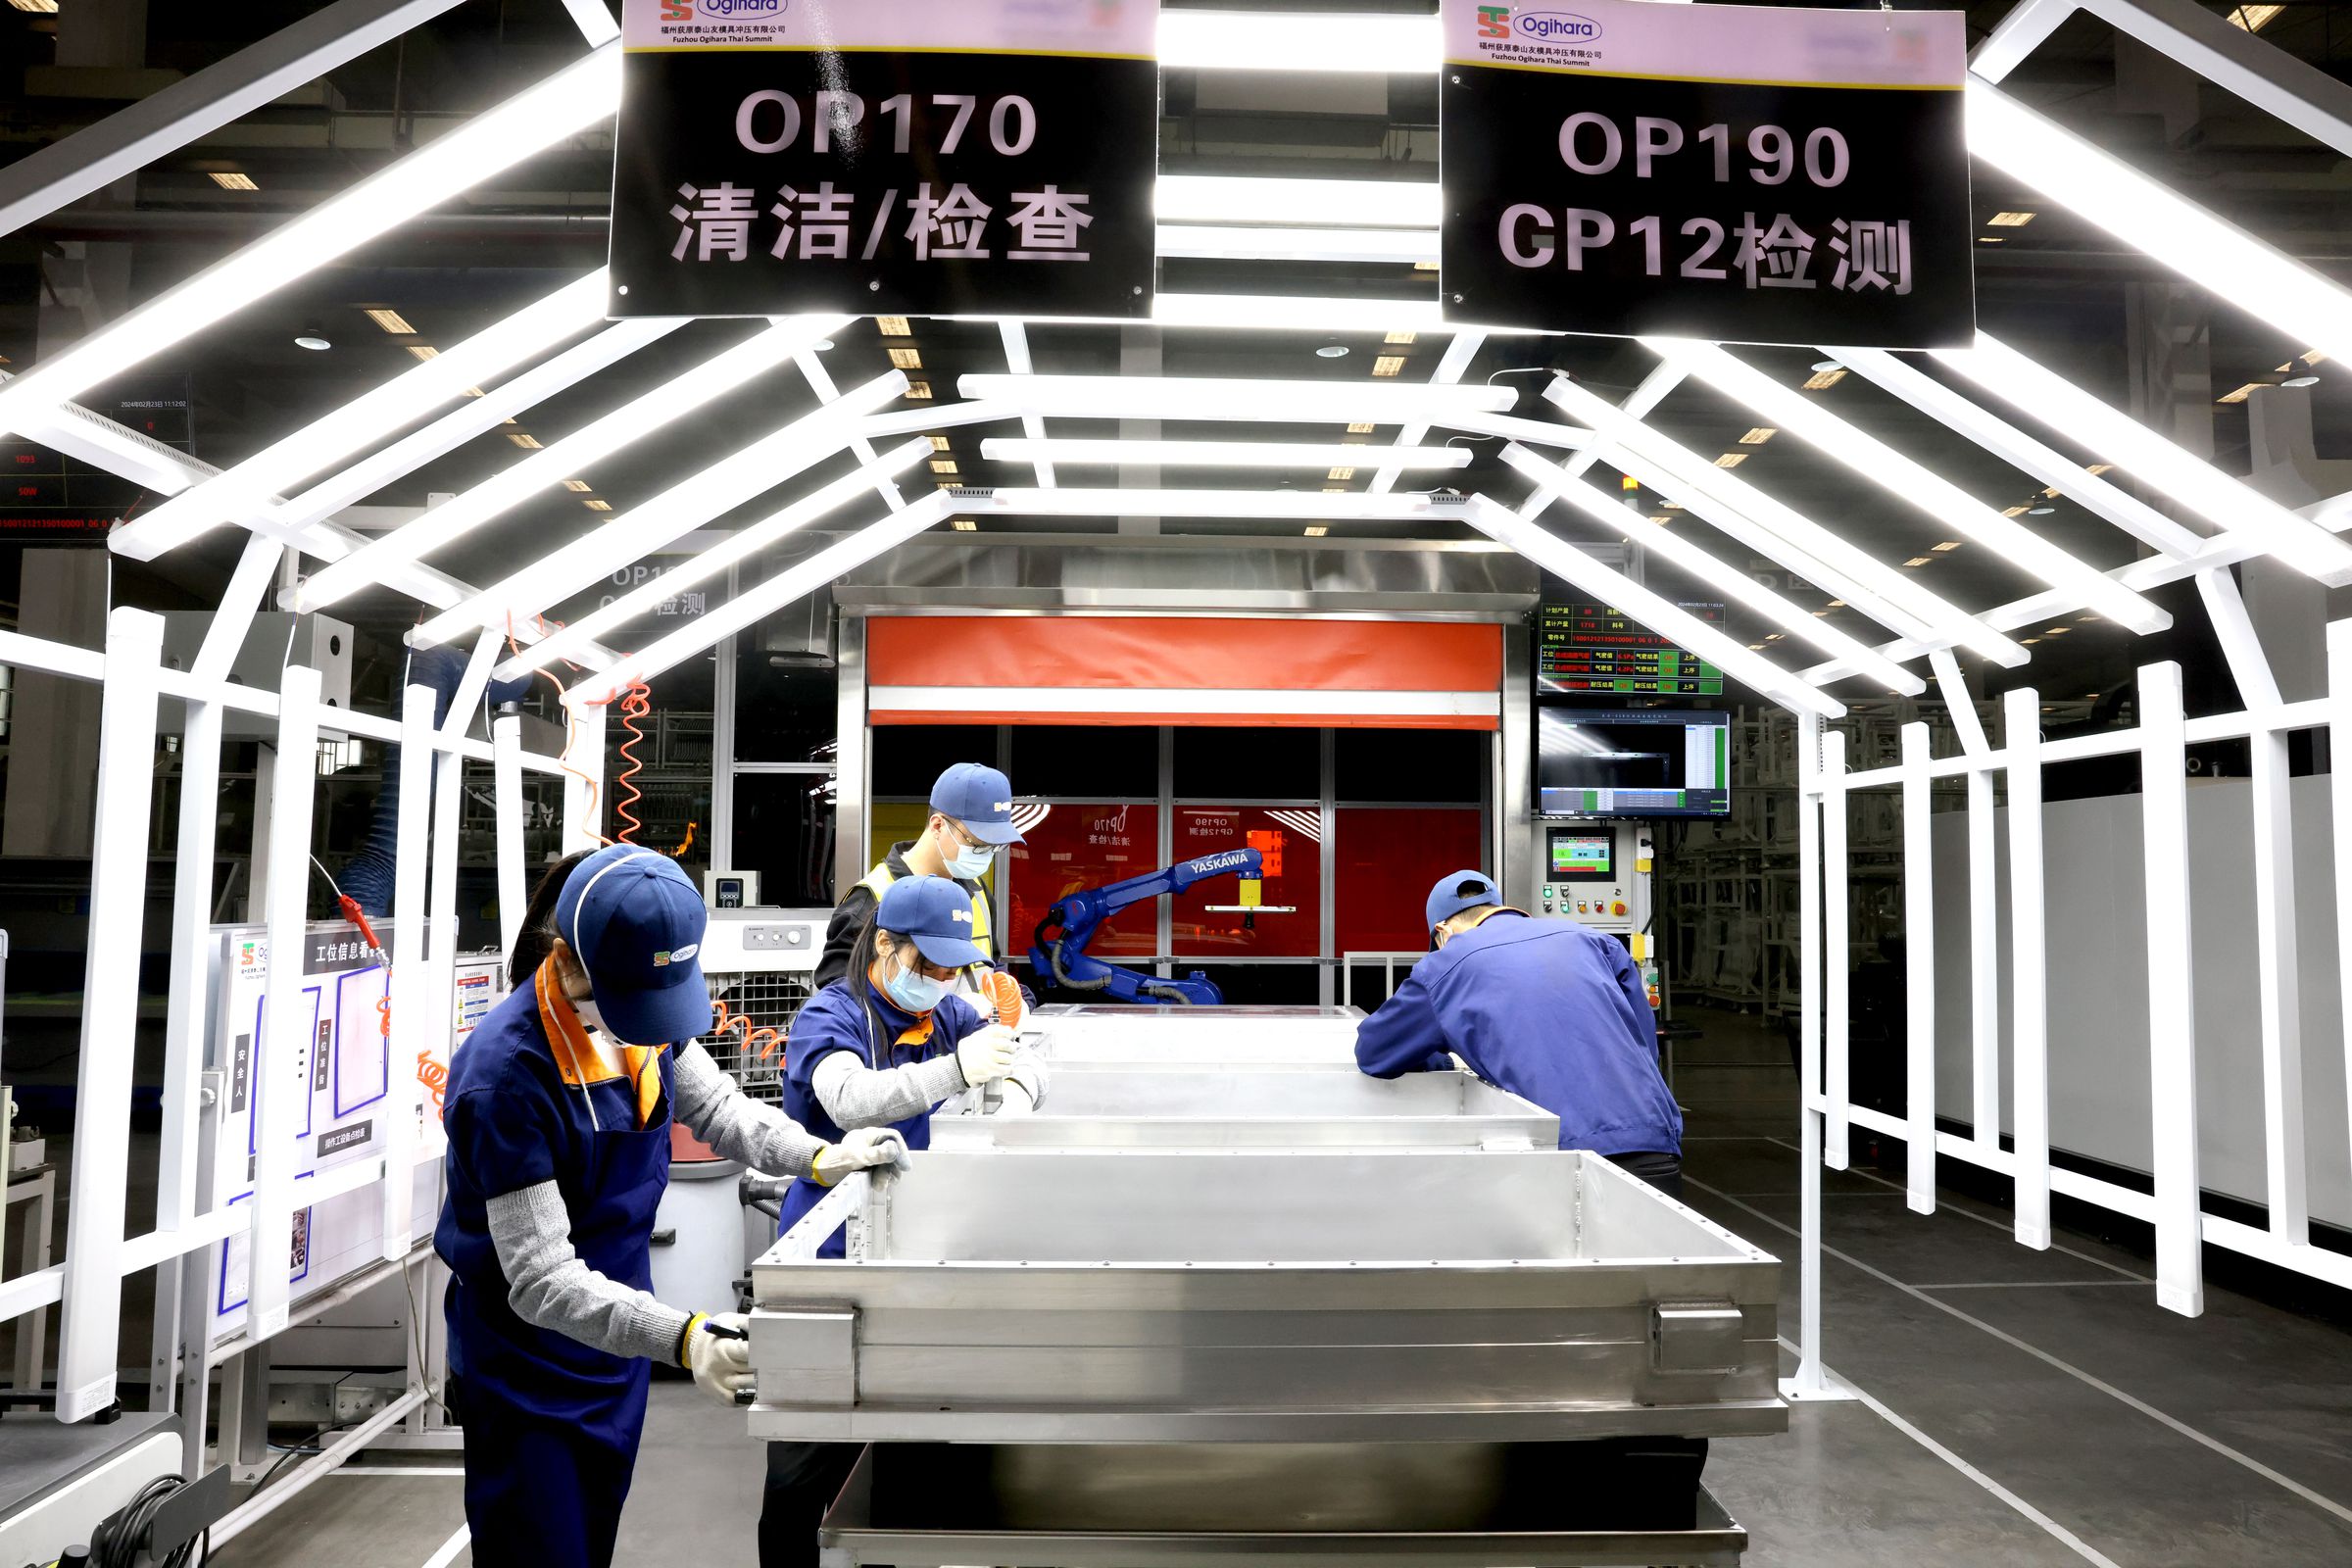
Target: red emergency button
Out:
[1618,908]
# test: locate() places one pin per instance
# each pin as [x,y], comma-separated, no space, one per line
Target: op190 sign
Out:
[919,158]
[1741,174]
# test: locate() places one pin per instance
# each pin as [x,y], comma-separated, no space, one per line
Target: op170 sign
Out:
[1740,174]
[920,158]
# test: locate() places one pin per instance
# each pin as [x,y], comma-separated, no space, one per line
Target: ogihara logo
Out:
[1494,22]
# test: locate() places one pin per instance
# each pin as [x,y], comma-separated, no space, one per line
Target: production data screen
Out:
[1637,762]
[1594,648]
[1582,854]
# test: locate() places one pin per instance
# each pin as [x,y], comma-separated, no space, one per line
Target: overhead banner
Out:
[920,158]
[1741,174]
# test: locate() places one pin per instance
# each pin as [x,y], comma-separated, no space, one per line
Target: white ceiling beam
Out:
[1341,204]
[1016,338]
[1909,480]
[1218,453]
[749,472]
[1552,484]
[1669,620]
[820,382]
[751,607]
[577,96]
[1113,397]
[367,419]
[1270,504]
[1245,242]
[1452,366]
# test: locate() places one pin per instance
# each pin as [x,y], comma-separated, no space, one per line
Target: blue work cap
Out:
[1457,890]
[636,923]
[936,914]
[980,798]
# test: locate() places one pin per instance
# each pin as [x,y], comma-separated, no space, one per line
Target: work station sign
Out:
[1741,174]
[917,158]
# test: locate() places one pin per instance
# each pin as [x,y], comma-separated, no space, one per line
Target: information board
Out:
[921,158]
[345,1075]
[47,498]
[1741,174]
[1583,647]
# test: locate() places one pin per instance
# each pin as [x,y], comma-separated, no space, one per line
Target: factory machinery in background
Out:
[1058,948]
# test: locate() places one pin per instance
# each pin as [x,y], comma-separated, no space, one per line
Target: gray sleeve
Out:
[736,1125]
[854,1094]
[549,1287]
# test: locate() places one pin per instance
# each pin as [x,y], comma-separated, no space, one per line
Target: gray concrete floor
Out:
[2026,1409]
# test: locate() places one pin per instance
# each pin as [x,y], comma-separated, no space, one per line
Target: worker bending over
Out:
[559,1122]
[1550,1010]
[881,1049]
[971,819]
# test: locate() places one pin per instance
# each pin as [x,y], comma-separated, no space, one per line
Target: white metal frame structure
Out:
[1285,219]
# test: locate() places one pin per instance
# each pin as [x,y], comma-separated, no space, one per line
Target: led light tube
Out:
[1116,397]
[1340,203]
[1310,312]
[755,605]
[569,101]
[741,545]
[1220,454]
[551,465]
[367,419]
[1911,481]
[1551,481]
[1243,242]
[1669,620]
[672,515]
[1774,530]
[1285,505]
[2116,437]
[1258,40]
[2226,260]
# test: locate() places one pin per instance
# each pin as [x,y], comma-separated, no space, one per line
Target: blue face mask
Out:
[970,862]
[913,991]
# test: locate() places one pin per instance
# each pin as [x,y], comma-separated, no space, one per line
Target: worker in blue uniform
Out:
[559,1122]
[969,826]
[882,1046]
[1549,1010]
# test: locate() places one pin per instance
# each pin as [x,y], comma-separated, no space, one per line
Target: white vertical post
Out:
[2029,974]
[506,792]
[2340,799]
[1836,925]
[2278,972]
[1919,953]
[1984,912]
[90,1335]
[2172,992]
[412,1023]
[1808,1378]
[280,1093]
[584,785]
[441,960]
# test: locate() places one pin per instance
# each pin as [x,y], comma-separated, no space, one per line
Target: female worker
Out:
[559,1151]
[881,1048]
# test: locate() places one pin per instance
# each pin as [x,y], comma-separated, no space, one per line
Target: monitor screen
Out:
[1582,856]
[1632,762]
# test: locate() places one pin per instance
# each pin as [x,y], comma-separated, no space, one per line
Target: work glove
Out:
[1013,1099]
[722,1360]
[861,1150]
[1028,1075]
[986,1054]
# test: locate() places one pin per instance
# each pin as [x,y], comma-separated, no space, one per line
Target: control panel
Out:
[1599,874]
[757,941]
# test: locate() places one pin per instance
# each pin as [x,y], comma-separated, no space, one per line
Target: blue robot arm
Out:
[1058,948]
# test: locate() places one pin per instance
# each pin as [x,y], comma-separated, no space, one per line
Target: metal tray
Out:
[1095,1296]
[1170,1508]
[1257,1105]
[1098,1032]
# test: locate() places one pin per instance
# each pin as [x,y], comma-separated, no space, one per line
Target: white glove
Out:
[861,1150]
[721,1362]
[985,1055]
[1013,1100]
[1029,1072]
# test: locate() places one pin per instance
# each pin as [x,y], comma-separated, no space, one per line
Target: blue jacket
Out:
[1548,1009]
[837,1018]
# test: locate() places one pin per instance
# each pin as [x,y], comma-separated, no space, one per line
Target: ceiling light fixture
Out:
[2300,380]
[1823,379]
[1909,480]
[579,486]
[1340,203]
[39,8]
[1362,428]
[1758,436]
[1731,460]
[918,391]
[2253,19]
[313,342]
[391,321]
[1341,473]
[2301,303]
[1215,454]
[593,443]
[232,179]
[1919,561]
[1316,531]
[943,465]
[524,439]
[594,504]
[938,443]
[905,359]
[2242,393]
[2009,219]
[893,327]
[1388,365]
[423,351]
[2040,512]
[1331,351]
[964,525]
[1402,338]
[1116,397]
[568,102]
[1947,546]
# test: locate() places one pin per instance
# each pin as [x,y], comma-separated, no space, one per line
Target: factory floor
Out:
[2017,1407]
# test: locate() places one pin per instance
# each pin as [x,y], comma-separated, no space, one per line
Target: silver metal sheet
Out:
[1025,1295]
[1170,1506]
[1257,1105]
[1103,1032]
